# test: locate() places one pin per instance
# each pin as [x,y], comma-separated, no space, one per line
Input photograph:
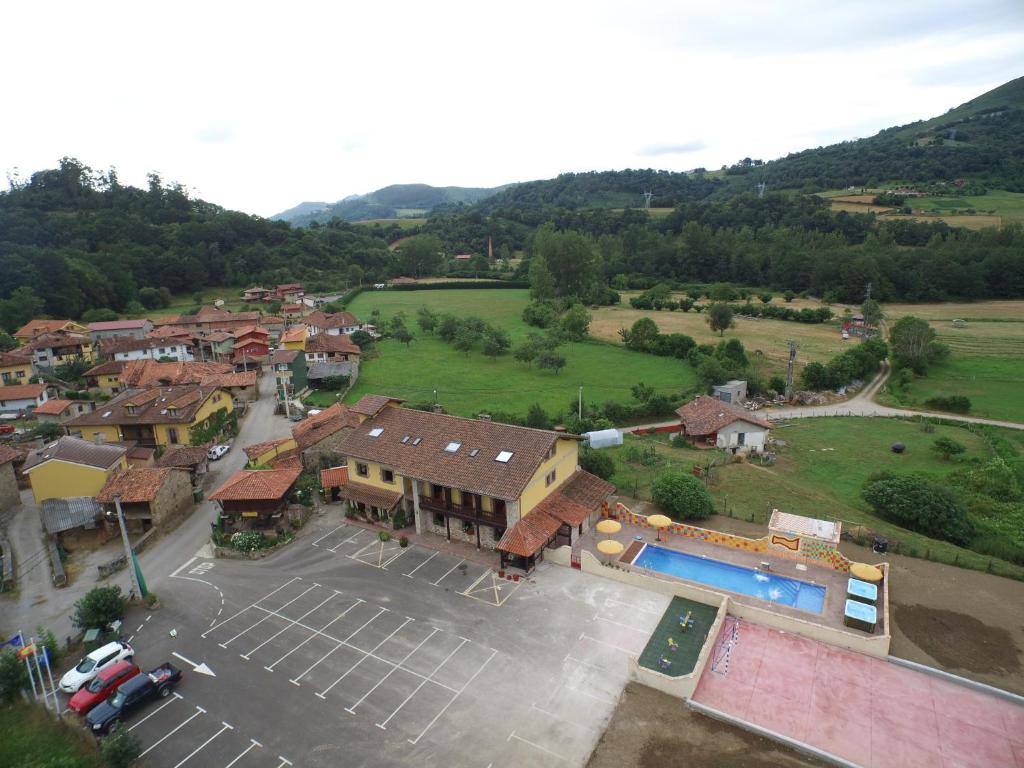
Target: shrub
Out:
[947,447]
[682,496]
[121,748]
[13,677]
[384,536]
[952,403]
[403,542]
[398,519]
[777,383]
[248,541]
[99,607]
[541,314]
[597,463]
[920,505]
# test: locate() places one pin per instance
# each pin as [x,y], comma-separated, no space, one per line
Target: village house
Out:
[17,398]
[194,458]
[255,293]
[712,423]
[319,437]
[209,319]
[295,337]
[251,350]
[321,373]
[333,324]
[286,292]
[241,385]
[59,347]
[293,312]
[256,498]
[152,348]
[153,416]
[57,411]
[153,373]
[34,328]
[270,453]
[106,329]
[72,467]
[149,497]
[15,367]
[274,324]
[498,486]
[216,345]
[106,376]
[9,494]
[324,348]
[289,372]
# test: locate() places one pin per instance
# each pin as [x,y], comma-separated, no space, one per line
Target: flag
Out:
[15,641]
[46,657]
[28,650]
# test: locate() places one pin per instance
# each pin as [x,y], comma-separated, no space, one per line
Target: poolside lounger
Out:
[664,663]
[687,621]
[672,644]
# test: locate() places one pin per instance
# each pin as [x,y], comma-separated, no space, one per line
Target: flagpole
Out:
[28,666]
[39,669]
[49,674]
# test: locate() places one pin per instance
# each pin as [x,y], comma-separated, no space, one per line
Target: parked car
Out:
[297,416]
[97,661]
[217,451]
[155,684]
[102,687]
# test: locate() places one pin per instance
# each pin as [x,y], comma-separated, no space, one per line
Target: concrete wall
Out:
[753,440]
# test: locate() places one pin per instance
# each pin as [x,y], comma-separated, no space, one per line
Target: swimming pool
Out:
[715,573]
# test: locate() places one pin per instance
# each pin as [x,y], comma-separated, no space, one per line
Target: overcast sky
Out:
[259,106]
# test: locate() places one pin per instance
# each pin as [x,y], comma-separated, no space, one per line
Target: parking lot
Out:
[344,653]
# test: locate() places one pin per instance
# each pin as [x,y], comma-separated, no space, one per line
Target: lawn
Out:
[405,222]
[684,658]
[993,385]
[468,384]
[31,737]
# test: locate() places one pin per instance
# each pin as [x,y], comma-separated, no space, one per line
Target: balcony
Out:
[469,513]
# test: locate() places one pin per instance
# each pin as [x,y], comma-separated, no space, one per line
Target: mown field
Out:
[819,473]
[468,384]
[405,222]
[971,211]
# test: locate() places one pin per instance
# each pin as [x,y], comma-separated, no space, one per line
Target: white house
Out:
[710,422]
[152,349]
[22,397]
[334,324]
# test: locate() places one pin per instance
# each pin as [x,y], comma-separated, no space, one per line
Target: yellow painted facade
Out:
[563,463]
[373,475]
[277,450]
[110,433]
[87,355]
[109,382]
[19,373]
[62,480]
[296,343]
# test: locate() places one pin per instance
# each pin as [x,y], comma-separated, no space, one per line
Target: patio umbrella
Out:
[610,547]
[609,526]
[659,522]
[866,572]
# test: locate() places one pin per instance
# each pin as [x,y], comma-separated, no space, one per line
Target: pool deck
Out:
[833,581]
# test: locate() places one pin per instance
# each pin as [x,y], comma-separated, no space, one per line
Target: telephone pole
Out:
[789,369]
[133,565]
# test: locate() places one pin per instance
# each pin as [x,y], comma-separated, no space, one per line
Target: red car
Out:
[102,687]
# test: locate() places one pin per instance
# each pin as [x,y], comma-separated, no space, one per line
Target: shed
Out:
[733,391]
[603,438]
[61,515]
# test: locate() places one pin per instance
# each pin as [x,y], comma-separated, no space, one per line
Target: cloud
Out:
[971,72]
[215,133]
[659,150]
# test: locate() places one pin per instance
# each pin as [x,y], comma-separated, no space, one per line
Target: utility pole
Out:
[789,369]
[129,555]
[579,411]
[284,396]
[647,199]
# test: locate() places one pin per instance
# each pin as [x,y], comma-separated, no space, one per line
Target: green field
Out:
[993,385]
[473,383]
[819,473]
[1008,205]
[405,222]
[31,737]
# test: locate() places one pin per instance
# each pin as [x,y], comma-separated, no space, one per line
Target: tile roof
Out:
[115,344]
[59,340]
[331,477]
[429,460]
[329,421]
[285,356]
[251,343]
[152,373]
[322,369]
[705,414]
[21,356]
[254,289]
[256,450]
[286,460]
[213,315]
[53,407]
[371,405]
[295,333]
[8,454]
[176,404]
[76,451]
[576,499]
[184,456]
[135,484]
[21,391]
[324,342]
[118,325]
[251,329]
[530,534]
[168,331]
[292,308]
[218,336]
[323,319]
[233,379]
[272,320]
[64,514]
[370,495]
[109,368]
[257,484]
[36,327]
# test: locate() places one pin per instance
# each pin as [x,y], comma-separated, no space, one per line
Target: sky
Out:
[258,106]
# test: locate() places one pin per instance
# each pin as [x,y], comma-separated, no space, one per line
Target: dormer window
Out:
[131,409]
[453,447]
[404,440]
[417,440]
[376,432]
[474,452]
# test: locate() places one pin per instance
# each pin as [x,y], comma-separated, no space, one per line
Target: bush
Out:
[248,541]
[947,447]
[953,403]
[541,314]
[777,383]
[99,607]
[920,505]
[596,463]
[682,496]
[121,748]
[398,519]
[384,536]
[13,677]
[403,542]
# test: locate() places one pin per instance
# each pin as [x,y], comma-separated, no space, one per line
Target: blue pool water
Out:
[765,586]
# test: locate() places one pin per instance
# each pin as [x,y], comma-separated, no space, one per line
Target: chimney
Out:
[560,428]
[436,408]
[484,417]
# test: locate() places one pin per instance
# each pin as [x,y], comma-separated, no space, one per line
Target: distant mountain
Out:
[396,201]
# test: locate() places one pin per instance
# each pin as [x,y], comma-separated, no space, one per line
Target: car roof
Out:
[139,681]
[115,669]
[103,650]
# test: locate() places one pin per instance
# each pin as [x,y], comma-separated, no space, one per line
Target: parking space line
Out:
[584,636]
[202,746]
[360,551]
[244,752]
[620,624]
[252,605]
[260,621]
[557,717]
[585,663]
[283,761]
[352,710]
[633,607]
[471,587]
[136,725]
[285,629]
[423,682]
[401,551]
[496,585]
[325,626]
[438,582]
[317,542]
[513,735]
[410,573]
[339,644]
[376,648]
[199,711]
[453,698]
[350,539]
[585,693]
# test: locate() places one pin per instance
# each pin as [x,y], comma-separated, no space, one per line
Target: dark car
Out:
[102,687]
[130,696]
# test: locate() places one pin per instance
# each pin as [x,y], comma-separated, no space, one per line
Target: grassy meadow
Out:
[468,384]
[819,473]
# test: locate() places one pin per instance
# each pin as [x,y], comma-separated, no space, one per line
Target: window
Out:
[417,440]
[552,450]
[387,475]
[172,436]
[550,477]
[438,519]
[20,374]
[376,432]
[130,409]
[453,446]
[163,351]
[404,440]
[99,437]
[473,453]
[504,457]
[362,470]
[467,528]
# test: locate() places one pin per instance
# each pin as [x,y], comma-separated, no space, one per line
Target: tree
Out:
[537,417]
[682,496]
[427,319]
[355,275]
[815,376]
[13,676]
[19,307]
[99,607]
[596,462]
[571,257]
[766,298]
[947,447]
[402,334]
[542,284]
[362,339]
[541,314]
[912,342]
[641,392]
[98,315]
[872,312]
[642,335]
[575,323]
[920,505]
[496,341]
[7,342]
[465,339]
[528,350]
[47,431]
[134,307]
[420,256]
[120,748]
[788,296]
[550,361]
[719,317]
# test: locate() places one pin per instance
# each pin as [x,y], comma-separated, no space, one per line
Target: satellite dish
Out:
[219,303]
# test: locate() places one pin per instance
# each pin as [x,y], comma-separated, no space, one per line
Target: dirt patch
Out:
[958,640]
[653,730]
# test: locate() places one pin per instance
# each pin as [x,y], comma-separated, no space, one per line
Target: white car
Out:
[94,663]
[217,451]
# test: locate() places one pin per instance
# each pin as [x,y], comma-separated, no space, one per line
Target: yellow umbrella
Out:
[610,547]
[659,522]
[866,572]
[609,526]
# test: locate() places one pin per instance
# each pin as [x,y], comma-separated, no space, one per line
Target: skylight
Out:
[474,452]
[417,441]
[503,457]
[404,440]
[453,446]
[376,431]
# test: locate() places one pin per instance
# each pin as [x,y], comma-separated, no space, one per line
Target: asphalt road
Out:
[340,651]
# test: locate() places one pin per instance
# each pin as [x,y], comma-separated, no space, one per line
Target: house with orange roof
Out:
[16,366]
[295,337]
[59,347]
[34,328]
[57,411]
[256,498]
[149,496]
[15,398]
[712,423]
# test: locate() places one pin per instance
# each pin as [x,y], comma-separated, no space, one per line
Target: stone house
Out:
[150,497]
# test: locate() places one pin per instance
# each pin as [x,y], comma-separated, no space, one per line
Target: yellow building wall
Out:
[109,382]
[457,496]
[277,450]
[219,401]
[563,462]
[62,480]
[300,345]
[110,432]
[11,371]
[373,476]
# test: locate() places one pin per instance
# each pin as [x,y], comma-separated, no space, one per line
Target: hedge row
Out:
[460,284]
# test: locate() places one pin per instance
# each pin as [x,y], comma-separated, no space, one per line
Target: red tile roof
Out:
[177,404]
[21,391]
[329,421]
[8,454]
[53,407]
[370,495]
[135,484]
[323,319]
[576,499]
[233,379]
[371,405]
[184,456]
[118,325]
[20,356]
[705,415]
[74,450]
[284,356]
[329,478]
[295,333]
[256,450]
[257,485]
[324,342]
[530,534]
[148,373]
[36,327]
[109,368]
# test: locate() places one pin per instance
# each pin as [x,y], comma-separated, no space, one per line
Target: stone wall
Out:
[173,498]
[427,525]
[9,496]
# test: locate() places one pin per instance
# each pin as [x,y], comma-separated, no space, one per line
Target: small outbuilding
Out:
[708,422]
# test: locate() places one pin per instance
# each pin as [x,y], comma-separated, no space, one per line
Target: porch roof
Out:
[369,495]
